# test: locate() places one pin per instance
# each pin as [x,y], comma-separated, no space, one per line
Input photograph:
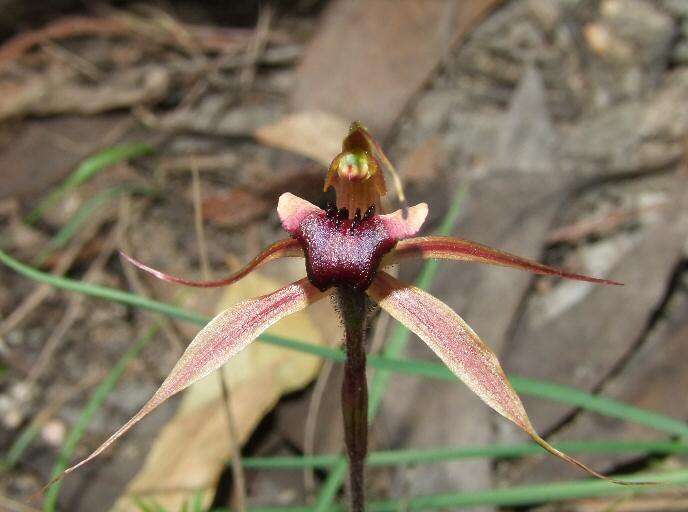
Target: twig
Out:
[10,505]
[312,421]
[256,48]
[209,38]
[75,307]
[71,59]
[237,468]
[595,225]
[52,407]
[11,359]
[43,291]
[198,221]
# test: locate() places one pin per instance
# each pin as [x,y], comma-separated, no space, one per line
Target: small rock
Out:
[527,138]
[676,7]
[679,54]
[632,39]
[53,433]
[547,13]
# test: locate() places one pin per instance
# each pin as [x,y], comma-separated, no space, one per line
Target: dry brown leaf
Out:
[315,134]
[370,57]
[235,207]
[191,451]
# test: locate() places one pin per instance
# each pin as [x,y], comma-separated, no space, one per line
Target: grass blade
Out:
[511,497]
[80,217]
[85,171]
[448,453]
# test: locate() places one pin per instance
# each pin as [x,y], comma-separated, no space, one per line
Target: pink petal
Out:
[460,349]
[464,250]
[399,227]
[282,249]
[224,336]
[292,210]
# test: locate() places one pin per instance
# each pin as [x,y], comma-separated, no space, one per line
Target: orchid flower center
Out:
[341,250]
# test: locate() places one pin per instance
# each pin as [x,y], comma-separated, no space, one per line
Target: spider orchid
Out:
[345,247]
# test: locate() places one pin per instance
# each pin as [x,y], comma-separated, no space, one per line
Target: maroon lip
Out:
[343,251]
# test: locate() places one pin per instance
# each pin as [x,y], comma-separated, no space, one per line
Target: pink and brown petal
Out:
[223,337]
[464,353]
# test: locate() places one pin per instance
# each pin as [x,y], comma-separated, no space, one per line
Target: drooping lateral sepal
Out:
[223,337]
[458,249]
[461,350]
[281,249]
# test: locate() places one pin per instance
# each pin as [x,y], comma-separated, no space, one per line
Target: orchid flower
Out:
[345,248]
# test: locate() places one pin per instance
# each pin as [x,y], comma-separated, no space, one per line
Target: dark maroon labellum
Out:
[342,251]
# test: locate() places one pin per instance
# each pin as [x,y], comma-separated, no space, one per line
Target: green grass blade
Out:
[513,496]
[600,404]
[535,494]
[533,387]
[548,391]
[85,171]
[147,507]
[448,453]
[19,446]
[80,217]
[104,292]
[92,407]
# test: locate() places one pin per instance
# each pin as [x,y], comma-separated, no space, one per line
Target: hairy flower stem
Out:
[355,390]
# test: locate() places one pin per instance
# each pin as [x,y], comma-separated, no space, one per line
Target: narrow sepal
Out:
[223,337]
[448,248]
[281,249]
[461,350]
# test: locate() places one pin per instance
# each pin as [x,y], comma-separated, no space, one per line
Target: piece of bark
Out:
[370,57]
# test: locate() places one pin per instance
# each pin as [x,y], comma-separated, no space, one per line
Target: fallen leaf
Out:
[192,450]
[315,134]
[234,207]
[370,57]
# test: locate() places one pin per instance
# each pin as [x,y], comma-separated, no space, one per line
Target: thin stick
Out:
[74,308]
[312,422]
[42,292]
[256,47]
[237,468]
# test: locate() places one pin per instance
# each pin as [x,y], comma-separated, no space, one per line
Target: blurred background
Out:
[169,129]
